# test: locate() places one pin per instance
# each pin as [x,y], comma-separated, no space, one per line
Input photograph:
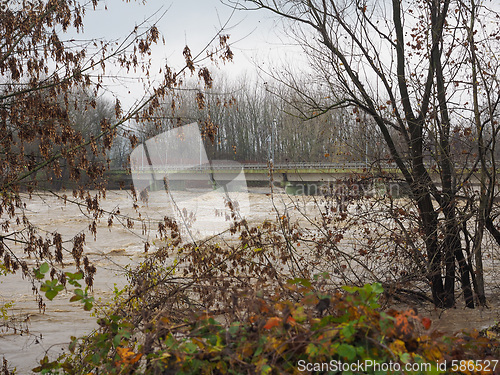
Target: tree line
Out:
[243,120]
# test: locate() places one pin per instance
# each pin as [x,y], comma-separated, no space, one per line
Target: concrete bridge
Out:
[296,178]
[301,171]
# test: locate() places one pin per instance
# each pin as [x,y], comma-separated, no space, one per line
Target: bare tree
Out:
[425,72]
[245,113]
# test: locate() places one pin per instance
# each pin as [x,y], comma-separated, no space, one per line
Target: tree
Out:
[425,72]
[245,113]
[48,111]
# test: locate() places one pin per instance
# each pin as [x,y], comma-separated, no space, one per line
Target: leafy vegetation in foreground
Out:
[310,335]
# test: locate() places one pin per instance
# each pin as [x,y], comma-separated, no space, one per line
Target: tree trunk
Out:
[453,247]
[434,256]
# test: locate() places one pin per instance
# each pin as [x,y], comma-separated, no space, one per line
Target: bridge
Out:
[301,177]
[295,177]
[294,171]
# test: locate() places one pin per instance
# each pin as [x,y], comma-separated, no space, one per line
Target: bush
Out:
[315,334]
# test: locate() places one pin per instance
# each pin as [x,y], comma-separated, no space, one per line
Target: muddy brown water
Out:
[112,250]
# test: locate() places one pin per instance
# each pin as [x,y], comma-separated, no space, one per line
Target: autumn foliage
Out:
[280,336]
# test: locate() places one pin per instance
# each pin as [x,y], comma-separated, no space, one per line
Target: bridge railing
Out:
[264,166]
[276,167]
[316,165]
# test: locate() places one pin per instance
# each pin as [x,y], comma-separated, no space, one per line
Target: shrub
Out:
[316,334]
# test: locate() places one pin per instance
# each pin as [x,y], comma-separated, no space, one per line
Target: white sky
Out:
[257,35]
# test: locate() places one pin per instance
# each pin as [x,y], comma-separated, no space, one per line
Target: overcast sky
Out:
[256,35]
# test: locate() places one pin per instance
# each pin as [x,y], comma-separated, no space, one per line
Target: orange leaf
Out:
[403,326]
[426,322]
[128,357]
[124,352]
[272,322]
[135,359]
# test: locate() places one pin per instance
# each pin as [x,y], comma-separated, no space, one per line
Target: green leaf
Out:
[96,358]
[266,369]
[170,341]
[234,328]
[259,350]
[87,306]
[59,287]
[75,276]
[405,357]
[360,351]
[117,340]
[298,280]
[386,322]
[50,294]
[347,351]
[75,283]
[349,330]
[350,289]
[44,268]
[189,347]
[377,288]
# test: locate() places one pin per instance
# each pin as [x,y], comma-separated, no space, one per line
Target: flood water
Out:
[115,248]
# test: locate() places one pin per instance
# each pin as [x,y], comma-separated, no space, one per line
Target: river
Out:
[118,246]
